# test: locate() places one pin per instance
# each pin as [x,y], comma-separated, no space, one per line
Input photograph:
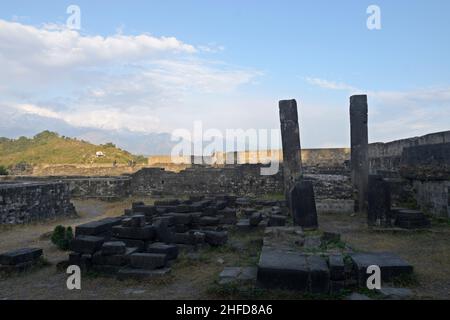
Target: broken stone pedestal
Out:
[303,205]
[293,270]
[379,202]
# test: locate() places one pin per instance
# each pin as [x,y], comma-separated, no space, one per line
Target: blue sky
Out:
[246,55]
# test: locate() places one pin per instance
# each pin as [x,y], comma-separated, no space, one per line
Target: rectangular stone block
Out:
[277,221]
[184,238]
[135,221]
[182,218]
[163,232]
[113,248]
[86,244]
[255,219]
[20,267]
[283,270]
[113,260]
[167,202]
[131,243]
[216,238]
[319,274]
[145,210]
[97,227]
[209,221]
[145,233]
[391,265]
[20,256]
[148,261]
[337,267]
[170,250]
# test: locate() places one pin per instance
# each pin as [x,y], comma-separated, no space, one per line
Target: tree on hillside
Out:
[3,171]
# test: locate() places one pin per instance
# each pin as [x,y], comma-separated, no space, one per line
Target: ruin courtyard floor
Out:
[195,274]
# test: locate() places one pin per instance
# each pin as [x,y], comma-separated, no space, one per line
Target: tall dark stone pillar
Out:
[290,135]
[359,154]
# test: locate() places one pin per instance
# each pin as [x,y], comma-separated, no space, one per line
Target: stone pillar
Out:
[303,205]
[379,202]
[359,154]
[290,135]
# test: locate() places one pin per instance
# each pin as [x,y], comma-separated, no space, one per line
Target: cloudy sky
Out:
[138,70]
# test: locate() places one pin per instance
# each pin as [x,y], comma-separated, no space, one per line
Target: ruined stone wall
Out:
[433,197]
[387,156]
[26,202]
[240,180]
[310,157]
[83,170]
[106,188]
[83,187]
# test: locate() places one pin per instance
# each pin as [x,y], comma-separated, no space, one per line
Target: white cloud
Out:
[108,82]
[56,46]
[326,84]
[400,114]
[39,111]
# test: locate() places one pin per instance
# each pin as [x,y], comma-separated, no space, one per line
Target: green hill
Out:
[50,148]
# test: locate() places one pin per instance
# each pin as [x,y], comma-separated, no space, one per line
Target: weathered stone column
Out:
[359,154]
[290,135]
[303,205]
[379,202]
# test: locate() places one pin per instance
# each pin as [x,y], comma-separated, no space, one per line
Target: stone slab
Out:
[170,250]
[148,261]
[145,233]
[20,256]
[97,227]
[86,244]
[113,248]
[391,265]
[283,270]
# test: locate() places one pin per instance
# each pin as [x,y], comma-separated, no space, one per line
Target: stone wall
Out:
[26,202]
[86,170]
[241,180]
[105,188]
[310,157]
[433,197]
[388,156]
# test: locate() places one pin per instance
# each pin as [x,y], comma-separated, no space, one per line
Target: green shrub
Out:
[3,171]
[61,237]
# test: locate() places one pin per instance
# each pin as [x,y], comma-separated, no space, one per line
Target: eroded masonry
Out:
[396,185]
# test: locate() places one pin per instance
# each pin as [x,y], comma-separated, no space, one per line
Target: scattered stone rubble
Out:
[146,240]
[319,263]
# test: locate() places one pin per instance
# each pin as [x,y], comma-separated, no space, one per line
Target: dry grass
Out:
[194,275]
